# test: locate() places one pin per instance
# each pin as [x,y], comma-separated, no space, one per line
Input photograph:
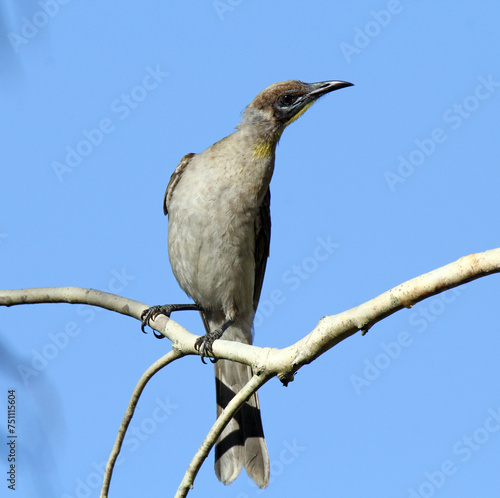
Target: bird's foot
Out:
[164,309]
[204,344]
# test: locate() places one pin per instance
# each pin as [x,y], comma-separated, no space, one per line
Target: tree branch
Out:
[129,413]
[335,328]
[101,299]
[232,407]
[265,362]
[73,295]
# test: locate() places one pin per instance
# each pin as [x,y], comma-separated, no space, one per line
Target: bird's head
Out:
[280,104]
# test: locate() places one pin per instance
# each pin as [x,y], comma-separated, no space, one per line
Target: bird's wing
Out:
[175,178]
[262,241]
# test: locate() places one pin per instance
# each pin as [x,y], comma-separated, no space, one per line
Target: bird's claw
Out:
[152,313]
[204,344]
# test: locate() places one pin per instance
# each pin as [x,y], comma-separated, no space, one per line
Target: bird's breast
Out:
[212,214]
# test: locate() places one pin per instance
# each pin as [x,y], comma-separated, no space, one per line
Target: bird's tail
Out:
[242,441]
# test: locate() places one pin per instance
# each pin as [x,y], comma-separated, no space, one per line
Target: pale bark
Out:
[265,362]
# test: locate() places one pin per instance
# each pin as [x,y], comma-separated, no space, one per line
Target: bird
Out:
[219,229]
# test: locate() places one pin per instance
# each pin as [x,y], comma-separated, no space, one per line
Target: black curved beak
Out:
[324,87]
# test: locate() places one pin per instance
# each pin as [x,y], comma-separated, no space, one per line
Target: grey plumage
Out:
[218,241]
[219,232]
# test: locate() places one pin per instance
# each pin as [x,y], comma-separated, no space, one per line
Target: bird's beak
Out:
[323,87]
[313,92]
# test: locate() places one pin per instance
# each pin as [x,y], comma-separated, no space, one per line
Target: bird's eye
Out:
[287,100]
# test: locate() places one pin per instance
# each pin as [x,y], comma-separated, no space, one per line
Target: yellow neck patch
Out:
[264,149]
[302,111]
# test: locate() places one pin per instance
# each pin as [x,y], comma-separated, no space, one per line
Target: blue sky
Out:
[395,176]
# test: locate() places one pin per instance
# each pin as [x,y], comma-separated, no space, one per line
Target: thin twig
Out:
[129,413]
[232,407]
